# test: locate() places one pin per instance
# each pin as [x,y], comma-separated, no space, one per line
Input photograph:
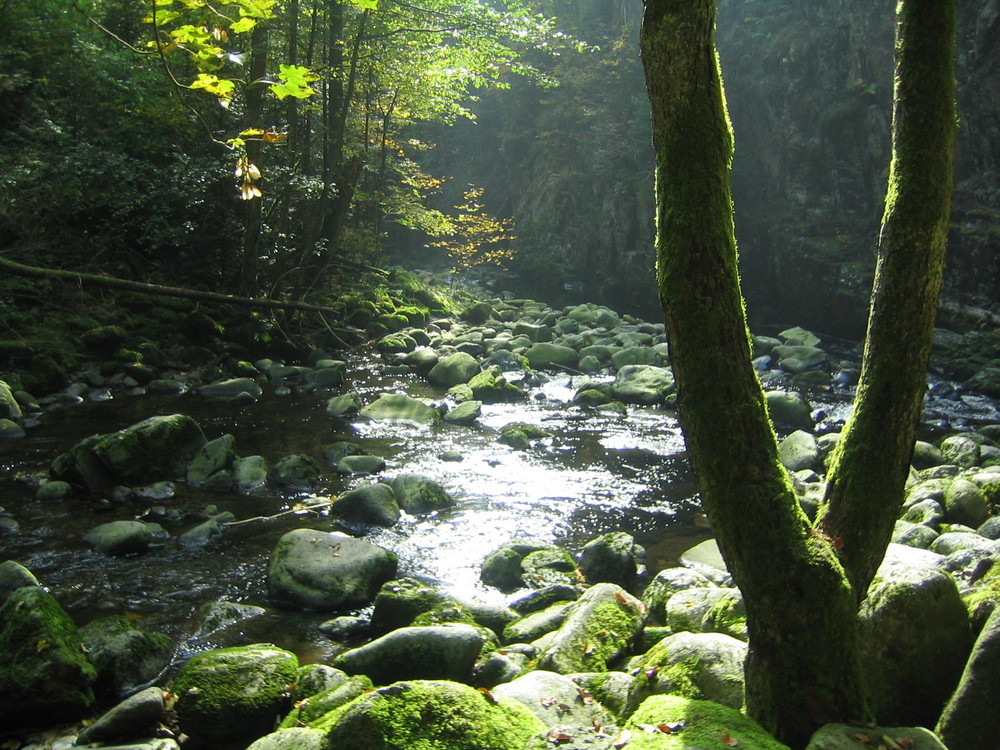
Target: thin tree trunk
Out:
[872,459]
[803,667]
[254,119]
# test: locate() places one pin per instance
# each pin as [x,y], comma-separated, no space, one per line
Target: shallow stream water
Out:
[598,473]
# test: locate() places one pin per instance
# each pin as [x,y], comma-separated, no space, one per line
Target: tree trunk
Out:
[803,667]
[254,119]
[872,459]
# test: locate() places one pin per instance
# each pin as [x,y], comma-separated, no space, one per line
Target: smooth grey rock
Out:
[327,571]
[436,652]
[216,616]
[913,534]
[250,473]
[214,456]
[353,465]
[206,531]
[965,503]
[13,576]
[464,413]
[297,472]
[547,356]
[293,738]
[926,455]
[611,558]
[124,656]
[53,491]
[714,609]
[927,512]
[960,450]
[535,625]
[705,558]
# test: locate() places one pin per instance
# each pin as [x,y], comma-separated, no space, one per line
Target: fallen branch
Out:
[112,282]
[297,510]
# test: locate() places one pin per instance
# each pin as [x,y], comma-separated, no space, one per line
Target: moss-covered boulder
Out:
[327,571]
[520,435]
[915,636]
[429,715]
[665,584]
[490,387]
[232,388]
[9,407]
[400,601]
[611,558]
[789,408]
[456,368]
[123,537]
[429,652]
[418,495]
[853,737]
[706,666]
[598,629]
[546,356]
[296,472]
[45,677]
[293,738]
[370,504]
[234,694]
[502,567]
[701,724]
[313,707]
[214,456]
[151,450]
[643,384]
[13,576]
[965,503]
[125,657]
[556,700]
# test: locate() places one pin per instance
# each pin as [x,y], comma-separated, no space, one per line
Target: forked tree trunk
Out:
[803,667]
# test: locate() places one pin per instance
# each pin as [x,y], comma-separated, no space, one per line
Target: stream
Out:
[598,473]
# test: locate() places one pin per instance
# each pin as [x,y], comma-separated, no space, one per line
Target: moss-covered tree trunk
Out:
[803,667]
[872,460]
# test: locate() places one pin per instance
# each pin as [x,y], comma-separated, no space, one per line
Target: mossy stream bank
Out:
[544,451]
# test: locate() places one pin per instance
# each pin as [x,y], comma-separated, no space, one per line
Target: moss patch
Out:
[703,725]
[429,715]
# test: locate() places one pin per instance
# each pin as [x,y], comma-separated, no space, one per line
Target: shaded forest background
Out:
[104,170]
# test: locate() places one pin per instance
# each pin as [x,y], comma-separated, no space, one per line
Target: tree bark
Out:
[803,667]
[253,118]
[872,459]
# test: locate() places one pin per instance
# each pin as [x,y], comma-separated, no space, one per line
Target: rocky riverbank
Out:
[586,650]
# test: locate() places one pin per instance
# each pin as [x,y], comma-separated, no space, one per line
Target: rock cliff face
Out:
[809,88]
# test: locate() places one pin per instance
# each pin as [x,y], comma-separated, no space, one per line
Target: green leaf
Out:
[220,87]
[244,25]
[366,4]
[294,81]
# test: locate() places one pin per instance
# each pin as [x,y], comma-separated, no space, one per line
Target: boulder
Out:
[548,567]
[233,388]
[419,495]
[233,694]
[915,634]
[434,652]
[214,456]
[533,626]
[400,601]
[343,405]
[970,720]
[330,375]
[965,503]
[124,656]
[296,472]
[707,666]
[14,576]
[370,503]
[136,716]
[845,737]
[397,407]
[598,629]
[10,409]
[293,738]
[250,473]
[359,465]
[313,706]
[708,610]
[45,677]
[430,715]
[327,571]
[789,408]
[490,387]
[611,558]
[799,451]
[643,384]
[502,567]
[123,537]
[454,369]
[53,491]
[464,413]
[960,450]
[547,356]
[665,584]
[556,701]
[156,448]
[704,725]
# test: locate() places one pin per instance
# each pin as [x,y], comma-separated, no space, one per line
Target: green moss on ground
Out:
[702,724]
